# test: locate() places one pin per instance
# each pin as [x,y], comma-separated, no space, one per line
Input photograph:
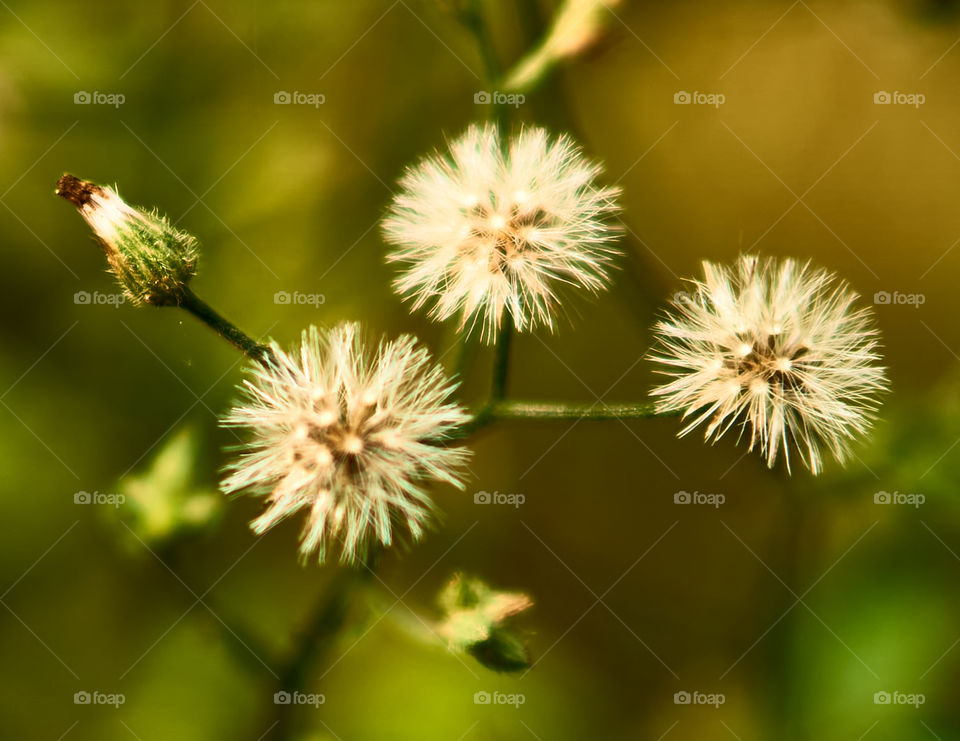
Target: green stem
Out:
[226,329]
[505,410]
[501,362]
[571,17]
[566,410]
[474,20]
[488,54]
[465,353]
[598,411]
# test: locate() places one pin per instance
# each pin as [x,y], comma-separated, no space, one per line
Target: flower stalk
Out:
[577,27]
[506,410]
[597,411]
[501,362]
[226,329]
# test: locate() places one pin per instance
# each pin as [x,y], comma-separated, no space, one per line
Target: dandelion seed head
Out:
[777,349]
[349,432]
[493,230]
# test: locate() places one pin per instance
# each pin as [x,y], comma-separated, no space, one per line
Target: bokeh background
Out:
[798,599]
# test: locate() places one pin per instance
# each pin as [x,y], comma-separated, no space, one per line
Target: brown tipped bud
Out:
[151,259]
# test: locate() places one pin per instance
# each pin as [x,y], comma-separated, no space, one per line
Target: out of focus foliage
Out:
[638,598]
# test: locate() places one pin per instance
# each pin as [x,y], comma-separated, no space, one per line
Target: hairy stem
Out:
[226,329]
[567,410]
[505,410]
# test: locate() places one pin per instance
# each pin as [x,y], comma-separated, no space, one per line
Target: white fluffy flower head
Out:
[777,348]
[495,227]
[349,433]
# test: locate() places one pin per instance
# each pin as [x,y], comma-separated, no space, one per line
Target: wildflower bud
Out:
[151,259]
[474,622]
[578,26]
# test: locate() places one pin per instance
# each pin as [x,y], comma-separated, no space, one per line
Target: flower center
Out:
[333,434]
[501,236]
[764,363]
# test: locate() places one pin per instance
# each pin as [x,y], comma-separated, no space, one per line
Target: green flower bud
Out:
[474,622]
[152,260]
[577,27]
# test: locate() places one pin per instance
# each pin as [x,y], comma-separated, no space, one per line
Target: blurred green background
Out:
[798,598]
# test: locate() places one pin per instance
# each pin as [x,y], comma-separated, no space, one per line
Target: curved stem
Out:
[226,329]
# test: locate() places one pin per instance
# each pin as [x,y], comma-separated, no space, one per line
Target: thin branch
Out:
[566,410]
[506,410]
[501,362]
[226,329]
